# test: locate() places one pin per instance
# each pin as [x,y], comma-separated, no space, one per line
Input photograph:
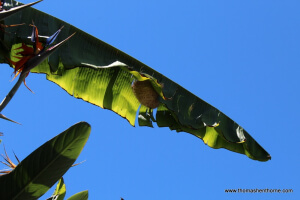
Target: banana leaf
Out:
[90,69]
[39,171]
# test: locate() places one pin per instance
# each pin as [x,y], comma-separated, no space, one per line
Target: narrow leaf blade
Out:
[46,165]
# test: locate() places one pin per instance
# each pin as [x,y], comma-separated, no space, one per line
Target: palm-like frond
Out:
[96,72]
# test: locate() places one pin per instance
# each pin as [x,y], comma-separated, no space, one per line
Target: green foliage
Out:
[98,73]
[80,196]
[60,191]
[39,171]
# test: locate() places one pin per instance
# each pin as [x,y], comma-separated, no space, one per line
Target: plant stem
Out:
[12,92]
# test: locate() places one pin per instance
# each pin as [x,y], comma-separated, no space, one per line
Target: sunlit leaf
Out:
[60,191]
[89,69]
[80,196]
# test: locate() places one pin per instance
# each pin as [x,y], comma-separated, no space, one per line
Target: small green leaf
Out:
[144,116]
[80,196]
[60,191]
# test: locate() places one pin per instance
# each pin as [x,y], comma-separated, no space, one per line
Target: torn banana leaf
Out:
[96,72]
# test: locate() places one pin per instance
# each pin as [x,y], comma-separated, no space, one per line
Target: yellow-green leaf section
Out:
[60,190]
[107,88]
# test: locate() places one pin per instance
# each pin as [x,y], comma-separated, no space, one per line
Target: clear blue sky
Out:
[240,56]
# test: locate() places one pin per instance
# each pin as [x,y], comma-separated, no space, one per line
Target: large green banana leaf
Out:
[39,171]
[98,73]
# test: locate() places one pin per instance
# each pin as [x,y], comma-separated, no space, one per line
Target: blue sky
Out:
[240,56]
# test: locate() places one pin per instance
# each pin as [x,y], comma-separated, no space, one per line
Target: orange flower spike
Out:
[19,65]
[39,47]
[14,63]
[27,53]
[7,161]
[35,38]
[26,84]
[26,50]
